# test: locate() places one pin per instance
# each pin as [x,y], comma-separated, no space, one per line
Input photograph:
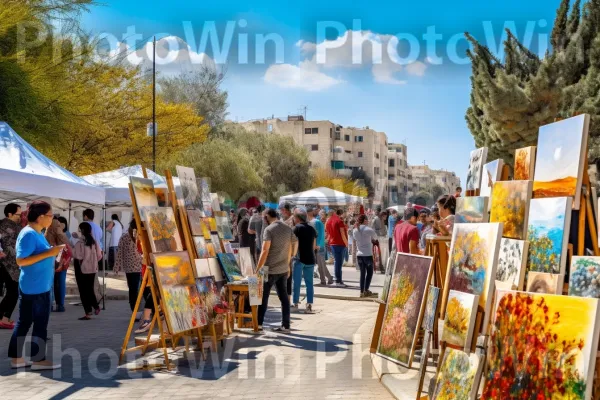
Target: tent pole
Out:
[104,261]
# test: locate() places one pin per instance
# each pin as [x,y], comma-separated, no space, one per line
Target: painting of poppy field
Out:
[542,346]
[459,376]
[405,308]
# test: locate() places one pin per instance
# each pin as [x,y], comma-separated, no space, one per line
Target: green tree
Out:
[422,198]
[436,191]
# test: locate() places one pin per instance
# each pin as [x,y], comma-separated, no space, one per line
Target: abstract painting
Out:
[210,248]
[230,268]
[524,163]
[175,277]
[512,261]
[199,310]
[542,346]
[405,308]
[431,308]
[548,234]
[472,209]
[194,218]
[201,268]
[459,322]
[201,250]
[162,196]
[162,229]
[207,227]
[246,261]
[472,263]
[189,188]
[542,282]
[224,227]
[214,239]
[477,160]
[584,279]
[561,154]
[207,289]
[215,269]
[143,190]
[459,376]
[492,172]
[510,202]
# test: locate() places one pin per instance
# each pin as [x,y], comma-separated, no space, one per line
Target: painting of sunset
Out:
[560,158]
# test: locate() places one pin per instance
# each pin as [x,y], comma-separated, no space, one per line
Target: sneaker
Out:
[144,327]
[45,366]
[362,294]
[20,364]
[341,285]
[368,293]
[7,325]
[97,311]
[281,329]
[330,282]
[309,309]
[60,309]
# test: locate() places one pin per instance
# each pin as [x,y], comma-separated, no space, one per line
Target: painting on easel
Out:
[512,262]
[189,188]
[459,376]
[143,190]
[510,203]
[162,229]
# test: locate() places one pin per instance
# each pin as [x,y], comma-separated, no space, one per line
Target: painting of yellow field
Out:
[560,158]
[524,163]
[459,376]
[510,205]
[459,322]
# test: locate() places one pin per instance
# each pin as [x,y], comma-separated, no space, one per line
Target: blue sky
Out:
[405,93]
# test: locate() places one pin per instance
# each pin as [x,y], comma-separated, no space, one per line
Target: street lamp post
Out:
[154,104]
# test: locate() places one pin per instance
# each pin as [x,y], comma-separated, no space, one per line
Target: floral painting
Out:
[473,209]
[199,310]
[477,160]
[431,307]
[224,227]
[524,163]
[584,279]
[143,191]
[246,261]
[194,218]
[561,153]
[405,308]
[230,267]
[512,260]
[548,234]
[201,250]
[541,282]
[174,275]
[542,346]
[162,229]
[492,172]
[459,322]
[472,263]
[459,375]
[510,201]
[189,188]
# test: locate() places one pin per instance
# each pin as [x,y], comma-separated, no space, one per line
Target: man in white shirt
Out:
[364,236]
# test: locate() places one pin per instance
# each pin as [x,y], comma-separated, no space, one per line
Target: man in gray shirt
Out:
[363,237]
[279,243]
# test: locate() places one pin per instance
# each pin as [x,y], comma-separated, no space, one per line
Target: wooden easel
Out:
[378,326]
[243,291]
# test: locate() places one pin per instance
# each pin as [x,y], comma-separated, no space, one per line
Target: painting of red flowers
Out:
[542,346]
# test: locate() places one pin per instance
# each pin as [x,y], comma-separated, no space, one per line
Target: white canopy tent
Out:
[323,196]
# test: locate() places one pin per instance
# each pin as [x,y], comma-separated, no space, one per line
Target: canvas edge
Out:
[566,233]
[593,347]
[471,330]
[582,160]
[523,267]
[477,377]
[492,285]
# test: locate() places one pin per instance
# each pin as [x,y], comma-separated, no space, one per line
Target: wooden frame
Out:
[243,291]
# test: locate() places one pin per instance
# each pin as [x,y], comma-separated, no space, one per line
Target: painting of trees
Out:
[509,206]
[542,256]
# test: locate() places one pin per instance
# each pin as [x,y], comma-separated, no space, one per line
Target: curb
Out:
[334,297]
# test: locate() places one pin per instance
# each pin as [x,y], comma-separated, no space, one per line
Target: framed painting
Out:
[510,203]
[492,172]
[524,163]
[389,271]
[189,188]
[194,218]
[405,308]
[472,262]
[230,267]
[548,234]
[471,210]
[542,345]
[459,322]
[512,261]
[224,227]
[246,261]
[584,278]
[476,161]
[431,308]
[458,376]
[561,152]
[162,229]
[200,244]
[542,282]
[143,191]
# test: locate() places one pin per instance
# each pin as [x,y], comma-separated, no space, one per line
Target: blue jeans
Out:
[34,309]
[338,258]
[307,271]
[60,288]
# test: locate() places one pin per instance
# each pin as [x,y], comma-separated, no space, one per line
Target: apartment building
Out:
[400,179]
[425,177]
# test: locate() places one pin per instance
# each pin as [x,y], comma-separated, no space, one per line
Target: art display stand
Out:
[423,365]
[378,326]
[243,293]
[149,280]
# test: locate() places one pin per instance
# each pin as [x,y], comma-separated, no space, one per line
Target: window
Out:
[311,131]
[307,131]
[358,138]
[347,138]
[315,131]
[377,156]
[376,171]
[392,163]
[270,127]
[348,152]
[314,147]
[391,177]
[330,132]
[360,154]
[337,135]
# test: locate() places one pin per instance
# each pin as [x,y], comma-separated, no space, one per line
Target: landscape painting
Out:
[143,190]
[584,279]
[473,209]
[541,282]
[459,376]
[200,244]
[189,188]
[459,322]
[230,267]
[492,172]
[510,202]
[561,153]
[246,261]
[174,275]
[512,261]
[431,308]
[472,263]
[477,160]
[548,234]
[524,163]
[542,346]
[162,229]
[405,308]
[194,218]
[224,227]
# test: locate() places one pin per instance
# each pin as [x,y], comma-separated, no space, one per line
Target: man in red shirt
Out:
[338,240]
[406,234]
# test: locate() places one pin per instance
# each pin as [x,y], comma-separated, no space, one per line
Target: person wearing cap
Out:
[304,261]
[406,234]
[324,274]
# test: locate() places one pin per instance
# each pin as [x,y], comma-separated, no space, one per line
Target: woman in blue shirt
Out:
[35,258]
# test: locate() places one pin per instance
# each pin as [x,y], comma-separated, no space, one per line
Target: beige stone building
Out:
[425,177]
[400,179]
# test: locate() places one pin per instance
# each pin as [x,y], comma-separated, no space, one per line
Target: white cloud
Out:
[304,76]
[384,73]
[417,68]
